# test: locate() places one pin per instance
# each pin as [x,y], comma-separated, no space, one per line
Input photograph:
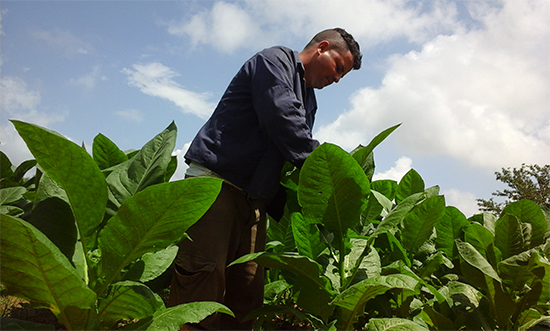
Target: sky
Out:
[468,80]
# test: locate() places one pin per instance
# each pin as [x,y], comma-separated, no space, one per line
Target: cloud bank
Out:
[480,96]
[263,23]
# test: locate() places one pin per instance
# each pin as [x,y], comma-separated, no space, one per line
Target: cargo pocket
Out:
[194,279]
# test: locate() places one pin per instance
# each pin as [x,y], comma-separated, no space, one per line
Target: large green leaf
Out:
[74,170]
[448,229]
[527,211]
[128,300]
[34,268]
[352,301]
[147,167]
[152,220]
[105,153]
[509,236]
[173,318]
[393,324]
[409,184]
[332,189]
[418,225]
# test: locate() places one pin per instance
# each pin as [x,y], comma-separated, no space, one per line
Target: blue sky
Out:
[469,80]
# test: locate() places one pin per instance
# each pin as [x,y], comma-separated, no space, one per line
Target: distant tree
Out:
[530,182]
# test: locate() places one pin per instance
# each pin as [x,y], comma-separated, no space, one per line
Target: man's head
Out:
[329,56]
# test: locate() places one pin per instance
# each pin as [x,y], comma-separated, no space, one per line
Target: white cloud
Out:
[90,79]
[134,115]
[228,26]
[155,79]
[463,201]
[20,103]
[16,96]
[480,96]
[402,166]
[64,42]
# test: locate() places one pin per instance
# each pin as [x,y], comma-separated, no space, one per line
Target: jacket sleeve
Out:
[281,112]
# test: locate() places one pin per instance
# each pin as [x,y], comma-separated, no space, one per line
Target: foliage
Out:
[351,253]
[83,238]
[97,228]
[531,182]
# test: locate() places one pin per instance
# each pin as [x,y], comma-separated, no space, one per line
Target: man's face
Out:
[327,66]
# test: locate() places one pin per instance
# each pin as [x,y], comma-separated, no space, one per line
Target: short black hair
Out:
[340,38]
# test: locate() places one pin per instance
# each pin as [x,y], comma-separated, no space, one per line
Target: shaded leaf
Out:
[54,218]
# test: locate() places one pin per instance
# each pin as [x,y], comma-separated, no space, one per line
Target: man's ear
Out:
[323,46]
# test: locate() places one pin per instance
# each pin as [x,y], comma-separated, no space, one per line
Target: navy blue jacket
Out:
[264,118]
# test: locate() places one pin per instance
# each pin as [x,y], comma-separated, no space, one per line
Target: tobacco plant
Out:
[99,228]
[352,253]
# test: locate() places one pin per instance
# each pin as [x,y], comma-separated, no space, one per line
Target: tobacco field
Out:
[91,235]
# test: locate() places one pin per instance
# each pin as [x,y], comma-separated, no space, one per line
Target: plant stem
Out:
[341,263]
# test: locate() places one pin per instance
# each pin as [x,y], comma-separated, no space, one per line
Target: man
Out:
[264,118]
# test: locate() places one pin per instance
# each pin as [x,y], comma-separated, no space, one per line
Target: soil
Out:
[11,307]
